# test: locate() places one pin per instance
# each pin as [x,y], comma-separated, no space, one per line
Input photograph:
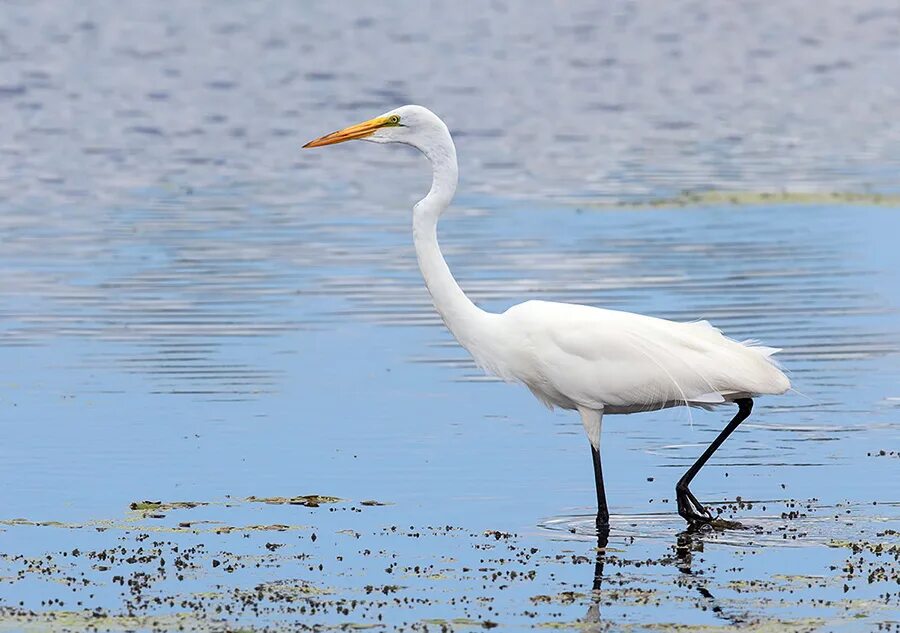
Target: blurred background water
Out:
[192,308]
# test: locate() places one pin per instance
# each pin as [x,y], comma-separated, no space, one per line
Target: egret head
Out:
[409,124]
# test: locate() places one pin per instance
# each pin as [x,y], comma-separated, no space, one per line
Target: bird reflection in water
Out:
[593,613]
[687,543]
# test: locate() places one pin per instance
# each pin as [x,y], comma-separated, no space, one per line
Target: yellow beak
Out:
[360,130]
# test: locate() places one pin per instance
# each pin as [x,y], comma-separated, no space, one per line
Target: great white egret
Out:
[576,357]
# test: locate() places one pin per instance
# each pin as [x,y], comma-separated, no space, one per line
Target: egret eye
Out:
[394,120]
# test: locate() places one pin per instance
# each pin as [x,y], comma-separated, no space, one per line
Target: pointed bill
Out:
[360,130]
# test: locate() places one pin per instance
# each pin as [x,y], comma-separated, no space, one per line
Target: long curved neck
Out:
[463,318]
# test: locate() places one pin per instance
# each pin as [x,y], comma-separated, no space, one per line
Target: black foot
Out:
[689,508]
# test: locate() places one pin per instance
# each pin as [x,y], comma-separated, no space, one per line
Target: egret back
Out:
[579,356]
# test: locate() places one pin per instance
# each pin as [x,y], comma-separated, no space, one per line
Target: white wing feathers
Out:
[571,355]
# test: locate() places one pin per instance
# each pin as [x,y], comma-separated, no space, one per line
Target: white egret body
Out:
[577,357]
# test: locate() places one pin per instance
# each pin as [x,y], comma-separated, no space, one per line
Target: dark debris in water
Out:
[884,453]
[273,575]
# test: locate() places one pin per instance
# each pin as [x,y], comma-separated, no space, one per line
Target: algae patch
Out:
[721,525]
[86,620]
[866,546]
[161,507]
[757,198]
[310,501]
[287,590]
[20,521]
[564,597]
[764,626]
[460,623]
[275,527]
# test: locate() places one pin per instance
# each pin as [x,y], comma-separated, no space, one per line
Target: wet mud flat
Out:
[324,563]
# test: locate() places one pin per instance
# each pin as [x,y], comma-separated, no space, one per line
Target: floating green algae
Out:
[87,620]
[866,546]
[274,527]
[310,501]
[455,623]
[762,626]
[20,521]
[290,589]
[564,597]
[161,507]
[102,525]
[756,198]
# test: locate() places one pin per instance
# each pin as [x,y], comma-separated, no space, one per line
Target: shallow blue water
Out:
[335,389]
[193,310]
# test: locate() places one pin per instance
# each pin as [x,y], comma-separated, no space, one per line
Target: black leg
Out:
[688,506]
[602,509]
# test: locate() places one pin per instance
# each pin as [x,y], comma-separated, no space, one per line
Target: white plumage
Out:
[571,356]
[575,356]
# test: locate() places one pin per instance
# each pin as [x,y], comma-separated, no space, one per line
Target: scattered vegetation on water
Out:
[271,576]
[159,508]
[564,597]
[28,522]
[275,527]
[724,524]
[455,623]
[93,620]
[754,198]
[310,501]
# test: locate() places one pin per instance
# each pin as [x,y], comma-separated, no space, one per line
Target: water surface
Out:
[193,310]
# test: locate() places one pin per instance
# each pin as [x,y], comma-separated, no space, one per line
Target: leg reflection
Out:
[593,612]
[688,542]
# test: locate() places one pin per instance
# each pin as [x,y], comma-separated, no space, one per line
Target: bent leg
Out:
[688,505]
